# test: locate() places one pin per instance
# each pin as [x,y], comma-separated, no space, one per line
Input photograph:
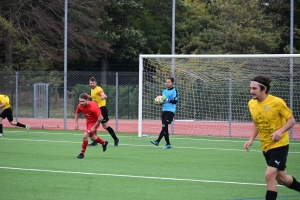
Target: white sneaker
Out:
[1,134]
[27,127]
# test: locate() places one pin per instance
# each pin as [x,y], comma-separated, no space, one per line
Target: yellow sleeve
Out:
[284,111]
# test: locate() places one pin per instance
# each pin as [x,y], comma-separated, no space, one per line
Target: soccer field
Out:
[42,164]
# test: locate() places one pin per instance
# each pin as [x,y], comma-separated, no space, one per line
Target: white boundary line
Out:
[53,141]
[174,137]
[142,145]
[133,176]
[61,133]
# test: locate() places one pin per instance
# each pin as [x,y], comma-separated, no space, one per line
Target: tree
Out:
[280,10]
[136,27]
[227,26]
[36,27]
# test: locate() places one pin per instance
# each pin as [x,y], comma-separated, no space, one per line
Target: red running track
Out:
[193,128]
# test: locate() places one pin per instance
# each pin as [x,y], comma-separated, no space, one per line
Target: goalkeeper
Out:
[98,96]
[169,98]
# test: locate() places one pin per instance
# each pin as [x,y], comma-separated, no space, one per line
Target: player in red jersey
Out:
[93,119]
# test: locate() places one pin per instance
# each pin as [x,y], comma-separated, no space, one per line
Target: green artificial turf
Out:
[42,164]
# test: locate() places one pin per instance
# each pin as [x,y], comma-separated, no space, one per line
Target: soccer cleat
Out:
[116,142]
[27,127]
[105,146]
[167,147]
[154,142]
[94,143]
[1,134]
[81,155]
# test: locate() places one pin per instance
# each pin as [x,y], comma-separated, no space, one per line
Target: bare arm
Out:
[76,121]
[254,133]
[2,105]
[100,118]
[276,136]
[103,95]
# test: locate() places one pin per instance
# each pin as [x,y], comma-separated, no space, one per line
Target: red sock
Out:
[84,145]
[99,140]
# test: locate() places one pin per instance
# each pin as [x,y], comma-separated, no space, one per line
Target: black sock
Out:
[164,133]
[271,195]
[167,138]
[21,125]
[161,135]
[167,135]
[1,128]
[295,185]
[112,132]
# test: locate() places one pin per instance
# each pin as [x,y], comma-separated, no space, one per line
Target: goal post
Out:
[214,91]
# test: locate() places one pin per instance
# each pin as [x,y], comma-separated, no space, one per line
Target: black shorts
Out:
[104,113]
[167,117]
[277,157]
[7,113]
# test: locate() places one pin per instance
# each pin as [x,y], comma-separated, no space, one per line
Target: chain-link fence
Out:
[41,95]
[29,97]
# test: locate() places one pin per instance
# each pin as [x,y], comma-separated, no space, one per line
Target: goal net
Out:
[213,91]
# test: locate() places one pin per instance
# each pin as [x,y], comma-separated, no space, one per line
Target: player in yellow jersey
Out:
[272,120]
[98,96]
[7,113]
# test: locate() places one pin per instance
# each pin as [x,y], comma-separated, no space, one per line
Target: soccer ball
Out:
[158,100]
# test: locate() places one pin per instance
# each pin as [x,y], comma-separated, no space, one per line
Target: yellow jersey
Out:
[4,99]
[269,116]
[96,96]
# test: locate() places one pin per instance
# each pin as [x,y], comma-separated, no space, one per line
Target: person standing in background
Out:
[169,98]
[98,96]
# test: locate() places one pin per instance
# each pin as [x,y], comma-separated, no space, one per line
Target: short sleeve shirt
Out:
[4,99]
[91,112]
[269,116]
[96,96]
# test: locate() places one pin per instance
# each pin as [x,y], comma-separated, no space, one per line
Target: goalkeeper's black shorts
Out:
[167,117]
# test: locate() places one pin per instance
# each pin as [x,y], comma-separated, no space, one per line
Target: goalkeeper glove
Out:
[164,99]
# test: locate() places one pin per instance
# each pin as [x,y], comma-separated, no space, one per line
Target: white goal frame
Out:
[143,56]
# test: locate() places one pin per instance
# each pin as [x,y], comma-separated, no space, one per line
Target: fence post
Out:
[117,94]
[230,103]
[17,80]
[128,107]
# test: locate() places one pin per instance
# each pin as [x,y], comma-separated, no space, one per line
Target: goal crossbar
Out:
[221,56]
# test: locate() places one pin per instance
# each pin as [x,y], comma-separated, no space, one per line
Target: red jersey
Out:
[91,112]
